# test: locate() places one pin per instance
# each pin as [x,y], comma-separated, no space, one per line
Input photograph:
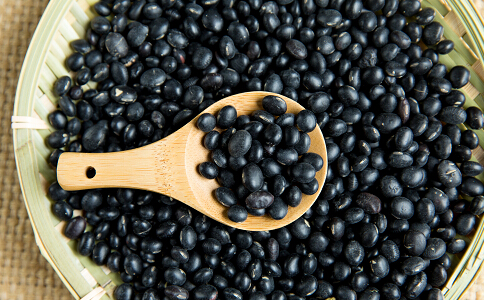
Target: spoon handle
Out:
[126,169]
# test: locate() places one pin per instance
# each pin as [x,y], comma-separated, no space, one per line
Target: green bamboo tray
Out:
[67,20]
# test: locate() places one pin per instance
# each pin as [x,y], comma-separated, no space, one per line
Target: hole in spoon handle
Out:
[90,172]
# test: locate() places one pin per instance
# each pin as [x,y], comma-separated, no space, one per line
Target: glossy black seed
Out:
[239,144]
[370,203]
[123,94]
[86,243]
[252,177]
[62,85]
[82,46]
[368,235]
[259,200]
[379,266]
[437,275]
[100,253]
[387,122]
[469,139]
[354,253]
[465,224]
[175,276]
[475,118]
[153,77]
[116,45]
[471,168]
[413,265]
[211,140]
[303,172]
[286,156]
[402,208]
[296,49]
[459,76]
[367,21]
[414,242]
[445,47]
[208,170]
[124,291]
[337,127]
[206,122]
[225,196]
[432,33]
[237,213]
[477,205]
[471,187]
[329,18]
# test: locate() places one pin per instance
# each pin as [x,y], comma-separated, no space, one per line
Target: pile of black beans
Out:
[400,194]
[262,161]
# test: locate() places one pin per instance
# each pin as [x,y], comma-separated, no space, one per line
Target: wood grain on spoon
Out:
[169,167]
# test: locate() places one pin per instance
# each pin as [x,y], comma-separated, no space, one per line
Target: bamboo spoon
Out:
[169,167]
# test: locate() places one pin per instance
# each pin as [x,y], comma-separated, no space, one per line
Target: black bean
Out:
[390,250]
[275,105]
[116,45]
[368,235]
[239,144]
[354,215]
[370,203]
[414,242]
[387,122]
[174,276]
[470,139]
[379,266]
[225,196]
[465,223]
[81,46]
[471,187]
[259,200]
[432,33]
[354,253]
[86,243]
[114,262]
[367,21]
[232,294]
[402,208]
[237,213]
[456,246]
[211,140]
[477,205]
[208,170]
[414,32]
[124,291]
[296,49]
[205,292]
[153,77]
[475,118]
[437,275]
[272,134]
[336,127]
[100,253]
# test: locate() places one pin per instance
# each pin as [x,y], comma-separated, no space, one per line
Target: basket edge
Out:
[22,138]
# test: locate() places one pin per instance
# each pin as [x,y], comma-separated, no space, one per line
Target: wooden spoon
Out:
[169,167]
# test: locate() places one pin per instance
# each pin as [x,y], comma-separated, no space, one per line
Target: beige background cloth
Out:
[24,273]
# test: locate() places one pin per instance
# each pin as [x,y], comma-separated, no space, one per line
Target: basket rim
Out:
[22,138]
[33,62]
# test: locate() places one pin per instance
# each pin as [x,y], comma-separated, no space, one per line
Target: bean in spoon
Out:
[169,166]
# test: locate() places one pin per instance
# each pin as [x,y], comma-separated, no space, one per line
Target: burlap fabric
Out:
[24,273]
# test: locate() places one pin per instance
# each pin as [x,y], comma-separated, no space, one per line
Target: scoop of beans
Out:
[263,159]
[400,192]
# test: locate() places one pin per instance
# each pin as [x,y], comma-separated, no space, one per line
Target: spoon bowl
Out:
[169,166]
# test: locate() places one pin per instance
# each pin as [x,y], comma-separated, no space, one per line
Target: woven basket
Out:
[67,20]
